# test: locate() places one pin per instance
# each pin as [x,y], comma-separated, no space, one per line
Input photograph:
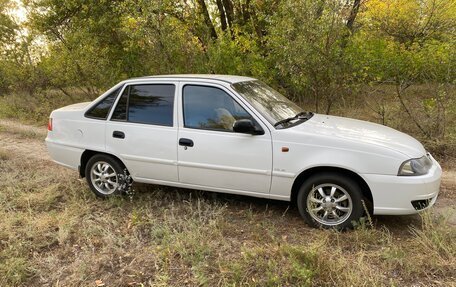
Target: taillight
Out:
[50,125]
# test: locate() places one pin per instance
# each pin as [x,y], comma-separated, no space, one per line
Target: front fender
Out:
[359,159]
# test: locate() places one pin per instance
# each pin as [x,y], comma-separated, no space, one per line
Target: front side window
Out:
[101,110]
[211,108]
[146,104]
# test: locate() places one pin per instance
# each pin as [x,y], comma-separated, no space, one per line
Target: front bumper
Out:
[396,195]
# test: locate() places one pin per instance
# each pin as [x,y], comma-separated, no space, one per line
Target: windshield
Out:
[271,104]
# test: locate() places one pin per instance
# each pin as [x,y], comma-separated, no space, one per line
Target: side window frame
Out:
[228,93]
[128,86]
[108,115]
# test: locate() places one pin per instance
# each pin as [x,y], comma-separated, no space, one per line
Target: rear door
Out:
[210,154]
[142,131]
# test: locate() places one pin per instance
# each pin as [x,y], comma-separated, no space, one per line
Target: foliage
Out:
[407,43]
[8,30]
[319,53]
[308,41]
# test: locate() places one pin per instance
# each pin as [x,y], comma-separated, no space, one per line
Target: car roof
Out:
[231,79]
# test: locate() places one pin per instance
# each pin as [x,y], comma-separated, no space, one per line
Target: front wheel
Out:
[330,200]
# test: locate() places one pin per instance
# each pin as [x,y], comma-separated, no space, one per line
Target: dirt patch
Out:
[23,140]
[449,183]
[22,129]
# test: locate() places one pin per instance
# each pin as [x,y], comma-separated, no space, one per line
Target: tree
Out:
[8,32]
[308,41]
[407,43]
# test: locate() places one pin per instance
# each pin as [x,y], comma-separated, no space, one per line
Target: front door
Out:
[210,154]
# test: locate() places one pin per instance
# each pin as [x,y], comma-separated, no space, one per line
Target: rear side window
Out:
[101,110]
[120,113]
[146,104]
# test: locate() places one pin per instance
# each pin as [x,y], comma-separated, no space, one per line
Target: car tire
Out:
[103,175]
[330,200]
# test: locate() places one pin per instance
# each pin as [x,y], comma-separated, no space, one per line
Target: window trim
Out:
[98,102]
[128,103]
[255,121]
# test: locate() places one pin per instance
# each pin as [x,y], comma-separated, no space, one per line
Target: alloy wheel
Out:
[104,178]
[329,204]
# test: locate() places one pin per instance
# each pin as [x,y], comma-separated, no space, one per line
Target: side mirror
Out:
[246,126]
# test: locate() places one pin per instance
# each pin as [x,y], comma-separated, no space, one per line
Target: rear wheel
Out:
[103,175]
[330,200]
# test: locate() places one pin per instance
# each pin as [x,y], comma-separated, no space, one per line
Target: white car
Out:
[235,134]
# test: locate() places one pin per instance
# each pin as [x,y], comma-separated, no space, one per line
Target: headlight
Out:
[416,166]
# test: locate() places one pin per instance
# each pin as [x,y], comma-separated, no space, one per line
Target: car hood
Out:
[362,132]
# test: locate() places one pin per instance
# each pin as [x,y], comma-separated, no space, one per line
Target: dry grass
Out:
[4,155]
[54,232]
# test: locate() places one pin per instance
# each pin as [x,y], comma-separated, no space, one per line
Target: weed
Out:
[4,155]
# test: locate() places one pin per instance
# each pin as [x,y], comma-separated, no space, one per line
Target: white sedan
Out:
[237,135]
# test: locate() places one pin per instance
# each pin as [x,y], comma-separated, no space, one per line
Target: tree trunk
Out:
[350,23]
[207,18]
[66,93]
[222,14]
[229,13]
[353,14]
[319,9]
[245,8]
[256,25]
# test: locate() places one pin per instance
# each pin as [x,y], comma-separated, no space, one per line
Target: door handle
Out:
[185,142]
[118,134]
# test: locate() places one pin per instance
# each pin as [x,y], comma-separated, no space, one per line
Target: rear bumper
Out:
[396,195]
[65,155]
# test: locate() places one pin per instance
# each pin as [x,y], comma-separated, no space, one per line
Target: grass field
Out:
[54,232]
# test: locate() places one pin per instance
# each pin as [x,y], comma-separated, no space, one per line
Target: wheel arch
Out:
[366,192]
[87,154]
